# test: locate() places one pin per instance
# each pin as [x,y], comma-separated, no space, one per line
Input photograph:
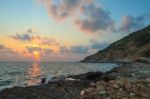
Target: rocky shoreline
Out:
[129,81]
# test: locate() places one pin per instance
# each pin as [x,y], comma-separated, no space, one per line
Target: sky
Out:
[66,30]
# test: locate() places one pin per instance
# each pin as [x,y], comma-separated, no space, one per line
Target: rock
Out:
[94,76]
[43,80]
[108,76]
[108,98]
[115,86]
[82,93]
[102,92]
[70,79]
[143,60]
[92,84]
[88,90]
[147,80]
[132,94]
[120,89]
[132,74]
[61,77]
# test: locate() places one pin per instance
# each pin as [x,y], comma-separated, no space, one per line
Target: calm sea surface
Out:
[30,73]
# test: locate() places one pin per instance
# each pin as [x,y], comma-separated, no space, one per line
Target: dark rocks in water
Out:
[94,76]
[43,80]
[108,76]
[54,89]
[92,85]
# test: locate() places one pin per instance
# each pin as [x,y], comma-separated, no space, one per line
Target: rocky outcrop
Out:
[58,88]
[130,81]
[117,89]
[131,47]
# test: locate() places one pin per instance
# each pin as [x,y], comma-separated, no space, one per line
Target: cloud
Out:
[25,37]
[78,49]
[31,30]
[63,8]
[22,37]
[130,23]
[89,17]
[49,41]
[96,20]
[31,49]
[28,36]
[1,47]
[6,50]
[97,45]
[42,51]
[64,49]
[47,51]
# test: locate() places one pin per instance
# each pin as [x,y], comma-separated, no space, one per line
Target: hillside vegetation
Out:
[133,46]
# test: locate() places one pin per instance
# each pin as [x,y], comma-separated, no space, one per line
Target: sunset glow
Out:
[36,55]
[32,30]
[33,72]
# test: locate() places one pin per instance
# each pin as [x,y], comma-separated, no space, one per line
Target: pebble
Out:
[90,89]
[133,75]
[120,89]
[148,85]
[71,79]
[102,92]
[148,80]
[108,98]
[92,84]
[132,94]
[115,86]
[82,93]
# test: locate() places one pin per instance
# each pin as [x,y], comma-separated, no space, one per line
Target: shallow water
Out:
[30,73]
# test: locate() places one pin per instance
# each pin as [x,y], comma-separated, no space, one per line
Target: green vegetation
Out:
[133,46]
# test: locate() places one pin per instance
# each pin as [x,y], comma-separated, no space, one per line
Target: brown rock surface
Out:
[93,85]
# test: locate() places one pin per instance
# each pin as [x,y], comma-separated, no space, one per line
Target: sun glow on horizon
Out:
[36,55]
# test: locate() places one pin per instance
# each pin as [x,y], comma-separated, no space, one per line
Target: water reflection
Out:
[34,74]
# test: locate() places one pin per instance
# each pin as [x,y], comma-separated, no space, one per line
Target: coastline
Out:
[121,82]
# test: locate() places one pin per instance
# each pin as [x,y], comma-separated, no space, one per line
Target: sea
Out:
[30,73]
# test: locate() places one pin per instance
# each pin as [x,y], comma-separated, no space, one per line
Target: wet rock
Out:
[43,80]
[143,60]
[132,74]
[147,80]
[92,85]
[120,89]
[102,92]
[61,77]
[90,89]
[70,79]
[132,94]
[94,76]
[82,93]
[115,86]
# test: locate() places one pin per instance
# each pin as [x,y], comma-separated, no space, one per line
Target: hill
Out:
[131,47]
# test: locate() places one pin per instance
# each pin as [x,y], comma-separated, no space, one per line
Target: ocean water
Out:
[30,73]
